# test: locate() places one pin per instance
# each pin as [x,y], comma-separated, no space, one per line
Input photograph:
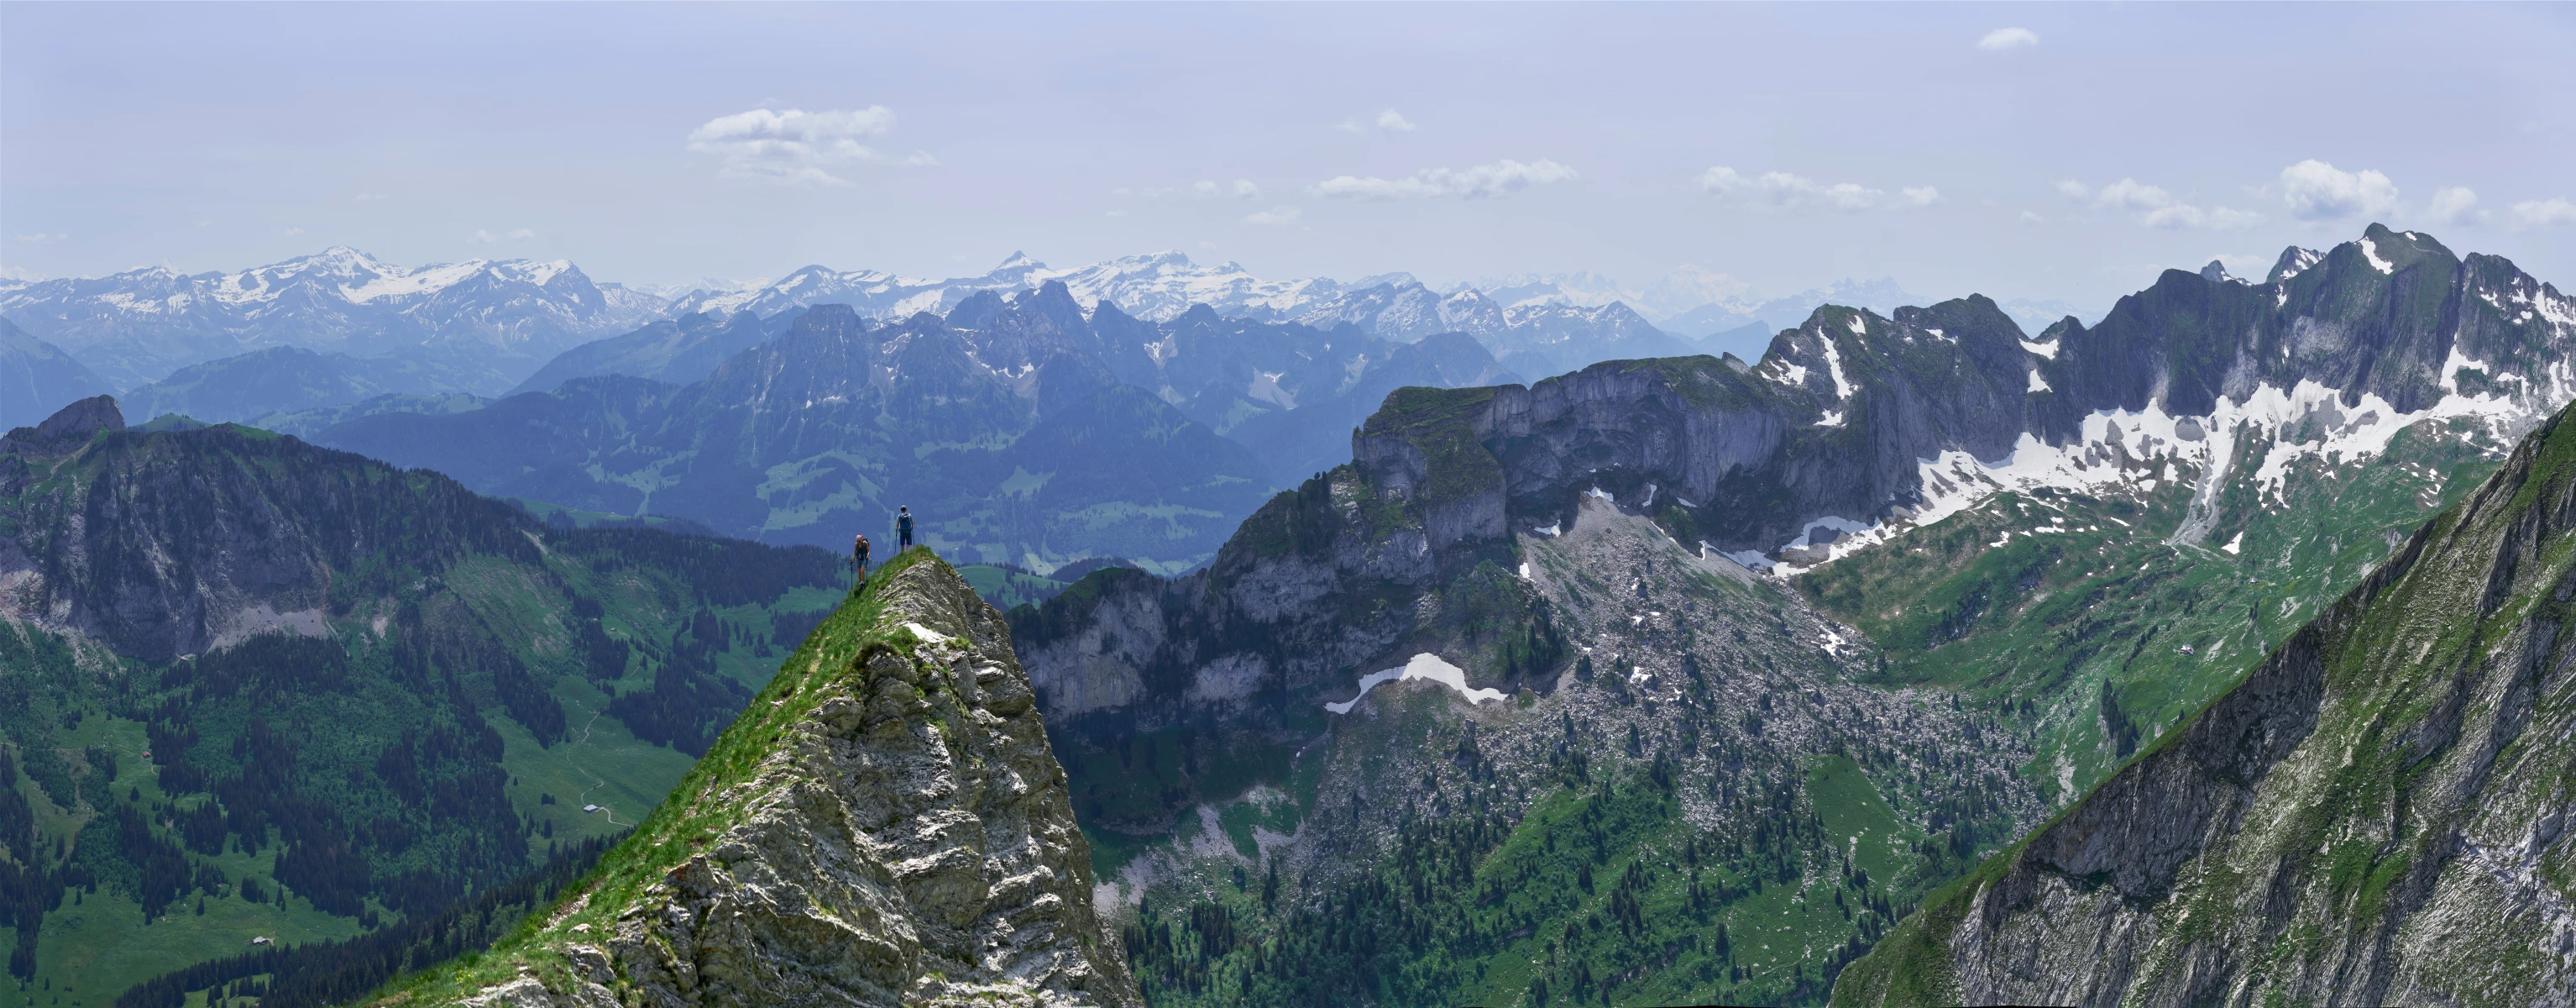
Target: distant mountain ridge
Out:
[37,378]
[1021,429]
[138,326]
[492,328]
[1535,335]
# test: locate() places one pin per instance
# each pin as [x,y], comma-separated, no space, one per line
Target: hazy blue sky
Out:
[1783,147]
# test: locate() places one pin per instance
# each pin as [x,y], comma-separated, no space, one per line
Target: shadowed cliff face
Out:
[884,826]
[2373,816]
[164,544]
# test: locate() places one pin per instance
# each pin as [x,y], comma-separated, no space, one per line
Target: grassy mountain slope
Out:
[255,687]
[2372,815]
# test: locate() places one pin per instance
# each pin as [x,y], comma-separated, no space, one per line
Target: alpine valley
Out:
[2205,651]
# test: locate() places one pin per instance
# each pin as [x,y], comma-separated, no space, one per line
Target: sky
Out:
[2062,152]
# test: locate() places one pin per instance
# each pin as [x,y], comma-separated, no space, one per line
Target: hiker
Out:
[903,528]
[859,555]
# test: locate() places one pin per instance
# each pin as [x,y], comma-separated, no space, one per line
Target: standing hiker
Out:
[903,527]
[859,555]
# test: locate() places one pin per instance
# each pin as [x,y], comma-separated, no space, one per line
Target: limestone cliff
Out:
[2375,815]
[885,825]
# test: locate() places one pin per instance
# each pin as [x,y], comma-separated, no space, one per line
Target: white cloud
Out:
[205,222]
[488,238]
[1115,213]
[1784,191]
[2028,217]
[795,146]
[2315,190]
[1389,121]
[40,238]
[370,197]
[1201,189]
[2154,207]
[2455,205]
[1500,178]
[2008,39]
[20,274]
[295,230]
[2534,213]
[1274,215]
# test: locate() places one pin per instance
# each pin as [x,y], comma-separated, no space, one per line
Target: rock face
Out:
[884,826]
[2376,815]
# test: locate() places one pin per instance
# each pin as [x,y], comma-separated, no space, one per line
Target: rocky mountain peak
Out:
[71,426]
[885,825]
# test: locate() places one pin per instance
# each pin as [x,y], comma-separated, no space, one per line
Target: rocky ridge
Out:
[884,826]
[2373,816]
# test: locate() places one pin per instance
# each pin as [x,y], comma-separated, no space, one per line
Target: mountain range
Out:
[497,320]
[2199,651]
[493,327]
[2044,552]
[1020,429]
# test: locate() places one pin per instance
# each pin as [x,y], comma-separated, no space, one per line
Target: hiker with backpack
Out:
[859,555]
[903,528]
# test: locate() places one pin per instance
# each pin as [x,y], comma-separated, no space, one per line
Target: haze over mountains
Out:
[489,327]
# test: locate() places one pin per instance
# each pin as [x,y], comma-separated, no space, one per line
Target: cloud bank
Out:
[1501,178]
[2008,39]
[1780,190]
[795,146]
[2317,191]
[2153,207]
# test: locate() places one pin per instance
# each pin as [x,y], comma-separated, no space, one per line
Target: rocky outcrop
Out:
[2374,816]
[884,826]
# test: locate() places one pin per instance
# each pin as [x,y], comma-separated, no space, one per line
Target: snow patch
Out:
[2037,383]
[2048,349]
[2233,544]
[2371,252]
[1423,666]
[1834,363]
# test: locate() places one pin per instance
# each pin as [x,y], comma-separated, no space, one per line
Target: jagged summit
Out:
[884,825]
